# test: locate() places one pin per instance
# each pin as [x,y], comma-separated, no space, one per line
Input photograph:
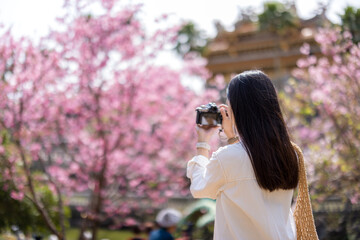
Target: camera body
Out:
[208,115]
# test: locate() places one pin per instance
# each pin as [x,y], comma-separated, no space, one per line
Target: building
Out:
[275,53]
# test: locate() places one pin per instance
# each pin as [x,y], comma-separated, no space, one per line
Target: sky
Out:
[34,17]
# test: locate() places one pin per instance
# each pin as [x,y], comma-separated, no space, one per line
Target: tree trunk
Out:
[36,201]
[98,202]
[83,228]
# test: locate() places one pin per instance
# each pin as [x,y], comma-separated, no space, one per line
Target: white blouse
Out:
[243,209]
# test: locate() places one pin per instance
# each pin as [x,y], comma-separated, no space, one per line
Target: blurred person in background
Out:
[167,219]
[137,233]
[148,228]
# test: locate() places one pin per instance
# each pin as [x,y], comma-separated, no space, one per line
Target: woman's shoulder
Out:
[231,151]
[235,162]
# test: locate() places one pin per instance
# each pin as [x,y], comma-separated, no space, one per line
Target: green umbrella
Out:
[200,212]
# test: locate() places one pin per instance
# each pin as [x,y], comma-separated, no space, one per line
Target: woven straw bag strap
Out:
[304,219]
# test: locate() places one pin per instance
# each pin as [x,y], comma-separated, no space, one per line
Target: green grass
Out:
[73,234]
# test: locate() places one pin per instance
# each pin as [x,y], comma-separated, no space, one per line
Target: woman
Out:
[253,177]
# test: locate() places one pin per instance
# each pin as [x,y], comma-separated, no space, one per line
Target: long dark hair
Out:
[263,131]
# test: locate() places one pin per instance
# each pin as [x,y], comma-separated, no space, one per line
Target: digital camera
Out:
[208,115]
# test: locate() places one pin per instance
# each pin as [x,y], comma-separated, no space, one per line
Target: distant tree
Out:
[278,18]
[351,22]
[190,40]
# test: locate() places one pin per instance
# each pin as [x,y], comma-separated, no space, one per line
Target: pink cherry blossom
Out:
[17,195]
[91,105]
[324,112]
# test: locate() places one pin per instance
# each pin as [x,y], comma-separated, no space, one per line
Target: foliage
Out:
[14,208]
[89,110]
[23,213]
[351,22]
[14,212]
[190,40]
[278,18]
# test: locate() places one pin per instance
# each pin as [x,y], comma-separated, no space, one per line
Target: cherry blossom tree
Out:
[89,110]
[324,109]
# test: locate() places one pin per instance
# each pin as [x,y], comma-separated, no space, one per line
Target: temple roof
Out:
[247,47]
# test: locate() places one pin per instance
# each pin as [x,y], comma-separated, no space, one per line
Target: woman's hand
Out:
[227,122]
[205,134]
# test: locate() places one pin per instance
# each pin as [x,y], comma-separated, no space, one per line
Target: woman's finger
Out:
[223,113]
[224,106]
